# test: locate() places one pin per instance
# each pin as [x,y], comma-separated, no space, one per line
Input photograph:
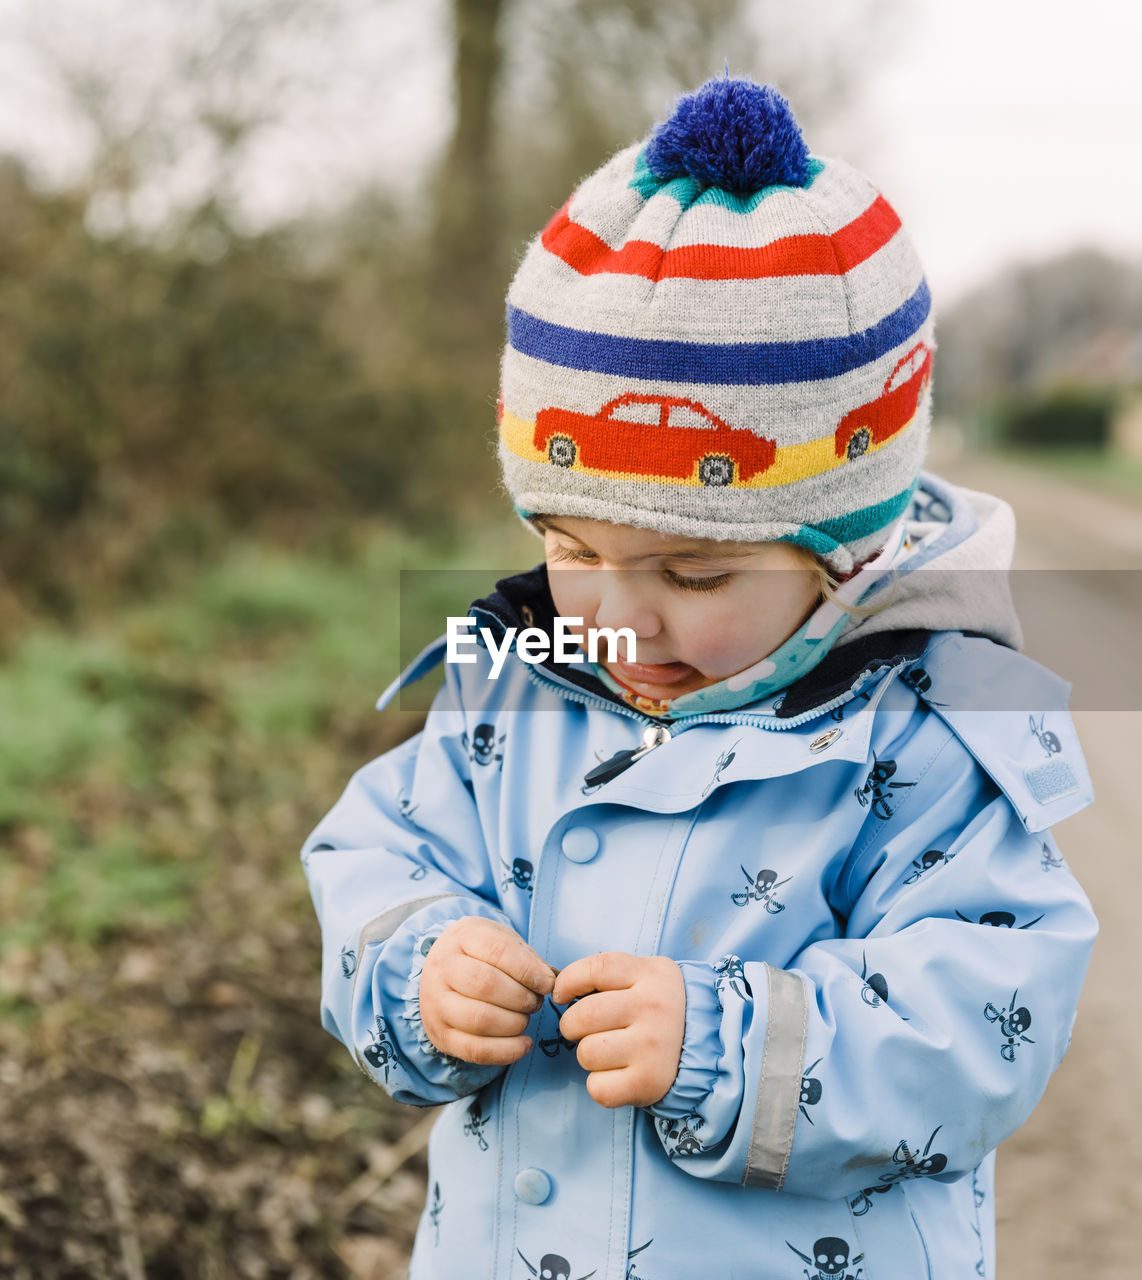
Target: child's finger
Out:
[475,1018]
[481,981]
[605,1051]
[599,1011]
[507,951]
[614,1088]
[485,1050]
[605,971]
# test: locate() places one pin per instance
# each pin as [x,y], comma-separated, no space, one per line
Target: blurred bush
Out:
[167,383]
[1065,418]
[1034,355]
[153,400]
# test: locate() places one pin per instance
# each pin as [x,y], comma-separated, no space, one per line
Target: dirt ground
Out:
[1070,1181]
[175,1109]
[177,1112]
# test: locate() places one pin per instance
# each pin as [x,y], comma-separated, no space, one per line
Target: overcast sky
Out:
[1012,130]
[999,130]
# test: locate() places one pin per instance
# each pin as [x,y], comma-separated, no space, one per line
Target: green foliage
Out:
[1073,416]
[98,890]
[155,405]
[164,390]
[1072,318]
[142,753]
[56,724]
[1103,470]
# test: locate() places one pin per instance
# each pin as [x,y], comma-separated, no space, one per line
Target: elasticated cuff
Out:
[420,1069]
[701,1045]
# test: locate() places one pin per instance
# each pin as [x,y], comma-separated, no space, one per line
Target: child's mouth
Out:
[663,673]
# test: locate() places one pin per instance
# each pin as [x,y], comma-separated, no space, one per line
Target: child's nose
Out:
[626,600]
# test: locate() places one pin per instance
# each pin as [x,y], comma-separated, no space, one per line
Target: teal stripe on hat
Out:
[688,191]
[825,537]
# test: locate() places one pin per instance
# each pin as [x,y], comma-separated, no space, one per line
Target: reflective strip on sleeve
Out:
[381,928]
[779,1087]
[384,926]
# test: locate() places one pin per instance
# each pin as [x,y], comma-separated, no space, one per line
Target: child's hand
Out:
[629,1024]
[479,985]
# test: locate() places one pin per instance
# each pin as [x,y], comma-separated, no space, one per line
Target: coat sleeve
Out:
[919,1038]
[398,858]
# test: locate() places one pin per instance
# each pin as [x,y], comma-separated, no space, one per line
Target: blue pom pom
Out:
[733,134]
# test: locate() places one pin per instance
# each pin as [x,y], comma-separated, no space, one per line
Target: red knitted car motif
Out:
[654,436]
[894,409]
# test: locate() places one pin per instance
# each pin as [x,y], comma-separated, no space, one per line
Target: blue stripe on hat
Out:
[741,364]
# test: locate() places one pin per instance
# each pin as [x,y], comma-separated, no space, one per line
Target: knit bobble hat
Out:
[721,336]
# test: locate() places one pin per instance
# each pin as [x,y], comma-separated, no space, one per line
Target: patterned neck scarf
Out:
[788,662]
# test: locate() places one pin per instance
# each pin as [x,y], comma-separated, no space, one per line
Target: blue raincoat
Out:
[881,944]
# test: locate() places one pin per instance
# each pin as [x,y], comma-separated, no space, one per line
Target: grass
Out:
[159,955]
[1099,469]
[136,748]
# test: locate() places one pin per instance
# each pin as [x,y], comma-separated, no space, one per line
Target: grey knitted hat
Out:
[721,336]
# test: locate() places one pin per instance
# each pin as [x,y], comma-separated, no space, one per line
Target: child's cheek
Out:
[573,594]
[721,647]
[710,644]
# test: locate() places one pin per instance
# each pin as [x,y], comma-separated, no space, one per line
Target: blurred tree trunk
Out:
[465,230]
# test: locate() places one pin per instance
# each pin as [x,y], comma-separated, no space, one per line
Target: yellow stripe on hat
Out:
[792,462]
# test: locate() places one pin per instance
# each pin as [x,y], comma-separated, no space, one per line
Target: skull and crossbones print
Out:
[926,862]
[553,1046]
[435,1211]
[520,872]
[1013,1023]
[381,1053]
[1051,860]
[1047,739]
[909,1164]
[678,1136]
[810,1091]
[552,1266]
[729,972]
[999,919]
[721,764]
[481,747]
[474,1125]
[761,888]
[877,789]
[830,1259]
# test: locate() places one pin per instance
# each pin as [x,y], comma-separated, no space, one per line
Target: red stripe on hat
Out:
[807,255]
[861,238]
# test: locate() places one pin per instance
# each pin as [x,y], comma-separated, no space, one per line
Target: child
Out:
[741,957]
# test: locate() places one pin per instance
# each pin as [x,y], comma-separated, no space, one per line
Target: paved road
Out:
[1070,1182]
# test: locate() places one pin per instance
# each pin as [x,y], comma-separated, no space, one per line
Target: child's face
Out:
[700,610]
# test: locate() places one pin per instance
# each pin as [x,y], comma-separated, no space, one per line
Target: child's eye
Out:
[712,582]
[576,555]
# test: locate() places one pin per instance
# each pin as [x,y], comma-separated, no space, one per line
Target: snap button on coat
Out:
[532,1186]
[580,844]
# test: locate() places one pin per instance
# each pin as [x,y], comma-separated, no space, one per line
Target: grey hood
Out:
[955,577]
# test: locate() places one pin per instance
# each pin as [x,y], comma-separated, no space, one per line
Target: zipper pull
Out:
[654,735]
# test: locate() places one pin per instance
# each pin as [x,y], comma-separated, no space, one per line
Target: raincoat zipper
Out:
[764,722]
[656,733]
